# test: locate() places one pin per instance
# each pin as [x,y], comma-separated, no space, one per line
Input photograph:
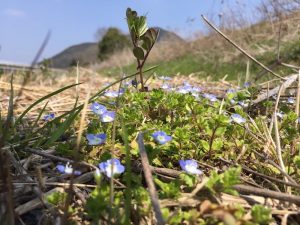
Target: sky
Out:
[25,23]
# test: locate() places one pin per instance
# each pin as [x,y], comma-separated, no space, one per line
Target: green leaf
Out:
[261,215]
[297,161]
[146,43]
[153,33]
[205,145]
[168,190]
[224,182]
[56,198]
[141,26]
[63,127]
[138,53]
[42,99]
[188,179]
[217,144]
[220,131]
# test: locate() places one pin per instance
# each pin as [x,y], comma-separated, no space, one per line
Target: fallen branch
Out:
[57,158]
[248,190]
[291,79]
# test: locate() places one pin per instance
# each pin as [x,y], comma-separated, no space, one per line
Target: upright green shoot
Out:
[143,40]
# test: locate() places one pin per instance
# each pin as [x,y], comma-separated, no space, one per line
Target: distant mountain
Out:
[165,35]
[87,53]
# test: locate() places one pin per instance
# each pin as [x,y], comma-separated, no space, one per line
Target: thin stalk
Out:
[127,175]
[111,193]
[298,100]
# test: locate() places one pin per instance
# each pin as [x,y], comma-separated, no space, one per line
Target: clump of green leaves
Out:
[261,215]
[97,206]
[224,182]
[143,39]
[56,198]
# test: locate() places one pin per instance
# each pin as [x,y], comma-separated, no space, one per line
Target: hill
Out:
[212,57]
[87,53]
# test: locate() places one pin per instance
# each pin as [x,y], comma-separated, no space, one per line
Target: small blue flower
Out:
[244,104]
[161,137]
[237,118]
[111,167]
[126,84]
[196,89]
[196,95]
[114,94]
[96,139]
[232,102]
[187,84]
[67,169]
[108,116]
[166,86]
[134,83]
[280,114]
[291,100]
[210,97]
[164,78]
[49,117]
[184,89]
[190,166]
[247,84]
[98,108]
[230,90]
[106,84]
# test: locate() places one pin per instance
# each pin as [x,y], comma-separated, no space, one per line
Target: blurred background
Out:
[95,34]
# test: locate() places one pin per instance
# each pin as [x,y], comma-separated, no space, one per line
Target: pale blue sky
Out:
[24,23]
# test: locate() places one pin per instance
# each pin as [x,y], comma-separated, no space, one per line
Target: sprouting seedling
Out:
[143,39]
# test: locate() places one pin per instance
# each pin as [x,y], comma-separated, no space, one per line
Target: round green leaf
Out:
[138,53]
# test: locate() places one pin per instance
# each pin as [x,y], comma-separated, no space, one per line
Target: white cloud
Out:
[14,13]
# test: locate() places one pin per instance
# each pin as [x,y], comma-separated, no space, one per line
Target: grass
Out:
[211,66]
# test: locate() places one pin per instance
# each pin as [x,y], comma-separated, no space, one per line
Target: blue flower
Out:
[187,88]
[196,89]
[98,108]
[232,102]
[291,100]
[247,84]
[49,117]
[183,90]
[243,104]
[280,114]
[96,139]
[161,137]
[237,118]
[134,83]
[67,169]
[108,116]
[166,86]
[187,84]
[106,84]
[164,78]
[114,94]
[210,97]
[190,166]
[111,167]
[230,90]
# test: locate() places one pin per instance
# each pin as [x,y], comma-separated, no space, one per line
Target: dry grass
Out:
[39,86]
